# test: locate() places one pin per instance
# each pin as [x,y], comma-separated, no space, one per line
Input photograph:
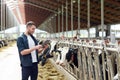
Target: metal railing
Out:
[97,60]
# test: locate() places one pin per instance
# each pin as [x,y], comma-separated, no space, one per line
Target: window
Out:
[83,33]
[115,29]
[92,32]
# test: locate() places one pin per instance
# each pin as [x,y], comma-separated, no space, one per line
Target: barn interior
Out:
[89,29]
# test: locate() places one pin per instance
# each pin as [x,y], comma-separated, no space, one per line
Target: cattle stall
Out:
[96,60]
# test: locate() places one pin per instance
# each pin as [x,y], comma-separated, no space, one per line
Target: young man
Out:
[28,51]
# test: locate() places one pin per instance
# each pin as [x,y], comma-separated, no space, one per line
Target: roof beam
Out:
[41,6]
[53,3]
[96,13]
[117,3]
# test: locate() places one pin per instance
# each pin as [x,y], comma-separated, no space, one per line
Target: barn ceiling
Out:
[40,10]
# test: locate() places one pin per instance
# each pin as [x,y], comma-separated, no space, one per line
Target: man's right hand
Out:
[38,46]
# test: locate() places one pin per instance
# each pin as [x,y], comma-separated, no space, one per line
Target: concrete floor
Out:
[9,63]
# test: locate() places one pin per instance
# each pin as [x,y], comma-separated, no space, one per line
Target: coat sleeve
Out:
[20,44]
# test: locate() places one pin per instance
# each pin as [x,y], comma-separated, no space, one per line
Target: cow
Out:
[49,47]
[64,51]
[5,42]
[45,53]
[71,57]
[58,53]
[69,54]
[1,44]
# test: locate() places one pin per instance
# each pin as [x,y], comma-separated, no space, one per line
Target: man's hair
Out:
[30,23]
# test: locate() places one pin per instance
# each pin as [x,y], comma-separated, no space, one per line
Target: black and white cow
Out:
[71,57]
[47,51]
[69,54]
[63,53]
[1,44]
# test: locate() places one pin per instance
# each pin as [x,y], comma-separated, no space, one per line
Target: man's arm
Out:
[22,49]
[28,51]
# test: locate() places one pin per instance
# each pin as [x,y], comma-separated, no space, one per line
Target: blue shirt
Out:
[22,43]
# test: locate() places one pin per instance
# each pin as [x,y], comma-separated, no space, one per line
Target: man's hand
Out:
[38,46]
[43,48]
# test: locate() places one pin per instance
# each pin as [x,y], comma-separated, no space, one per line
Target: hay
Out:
[48,72]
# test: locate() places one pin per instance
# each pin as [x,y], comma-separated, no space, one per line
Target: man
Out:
[28,51]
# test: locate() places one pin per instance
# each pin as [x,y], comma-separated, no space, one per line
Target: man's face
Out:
[31,29]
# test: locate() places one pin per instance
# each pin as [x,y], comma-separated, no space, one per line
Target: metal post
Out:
[102,18]
[79,16]
[66,18]
[103,64]
[88,17]
[96,67]
[72,17]
[79,54]
[118,64]
[99,68]
[108,67]
[18,27]
[1,15]
[55,24]
[5,18]
[80,64]
[4,21]
[49,30]
[102,27]
[84,61]
[111,61]
[90,65]
[62,20]
[59,21]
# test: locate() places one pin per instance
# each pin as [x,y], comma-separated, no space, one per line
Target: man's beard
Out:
[29,33]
